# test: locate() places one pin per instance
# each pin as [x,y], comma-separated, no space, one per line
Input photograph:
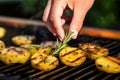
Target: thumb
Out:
[77,22]
[79,13]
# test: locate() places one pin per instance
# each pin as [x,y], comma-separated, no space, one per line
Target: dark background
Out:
[103,14]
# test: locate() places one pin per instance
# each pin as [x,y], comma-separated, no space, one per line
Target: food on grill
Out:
[23,39]
[33,48]
[12,55]
[72,56]
[44,50]
[51,44]
[2,45]
[44,61]
[2,32]
[108,64]
[94,51]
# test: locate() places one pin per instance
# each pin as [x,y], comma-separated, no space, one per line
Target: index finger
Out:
[55,17]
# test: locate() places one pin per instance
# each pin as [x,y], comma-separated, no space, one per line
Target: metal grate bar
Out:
[78,72]
[86,75]
[68,71]
[96,76]
[86,71]
[53,73]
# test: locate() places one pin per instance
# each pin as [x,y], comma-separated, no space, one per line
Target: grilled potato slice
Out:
[94,51]
[2,45]
[72,56]
[12,55]
[23,39]
[33,48]
[44,61]
[108,64]
[2,32]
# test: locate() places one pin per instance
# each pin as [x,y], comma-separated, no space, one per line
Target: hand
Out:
[54,11]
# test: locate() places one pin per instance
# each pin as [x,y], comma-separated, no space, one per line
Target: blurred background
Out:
[103,14]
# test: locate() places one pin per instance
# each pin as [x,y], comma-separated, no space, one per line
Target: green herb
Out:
[46,60]
[61,45]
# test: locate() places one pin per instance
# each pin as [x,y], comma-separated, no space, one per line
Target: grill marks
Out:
[94,51]
[17,50]
[76,59]
[73,52]
[46,59]
[69,52]
[39,57]
[114,59]
[53,62]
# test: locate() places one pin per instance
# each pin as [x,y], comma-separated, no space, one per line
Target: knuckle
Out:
[52,18]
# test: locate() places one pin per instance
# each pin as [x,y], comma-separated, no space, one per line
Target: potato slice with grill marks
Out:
[94,51]
[12,55]
[44,61]
[108,64]
[72,56]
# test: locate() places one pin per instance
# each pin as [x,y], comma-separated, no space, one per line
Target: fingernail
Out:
[54,34]
[75,33]
[61,38]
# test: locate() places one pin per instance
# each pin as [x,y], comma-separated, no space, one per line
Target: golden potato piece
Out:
[94,51]
[108,64]
[12,55]
[2,45]
[44,61]
[33,48]
[23,39]
[72,56]
[2,32]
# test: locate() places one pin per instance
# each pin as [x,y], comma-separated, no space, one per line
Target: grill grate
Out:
[85,71]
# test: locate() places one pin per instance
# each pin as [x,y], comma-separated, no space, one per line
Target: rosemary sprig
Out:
[61,45]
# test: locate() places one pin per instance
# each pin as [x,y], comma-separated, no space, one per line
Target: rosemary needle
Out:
[61,45]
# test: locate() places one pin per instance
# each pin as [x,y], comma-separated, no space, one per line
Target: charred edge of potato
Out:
[94,51]
[72,56]
[44,62]
[108,64]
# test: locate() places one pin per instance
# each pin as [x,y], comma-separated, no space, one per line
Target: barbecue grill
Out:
[86,71]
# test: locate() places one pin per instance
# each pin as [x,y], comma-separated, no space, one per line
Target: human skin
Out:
[53,15]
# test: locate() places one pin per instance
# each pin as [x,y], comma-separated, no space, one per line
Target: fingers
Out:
[54,11]
[79,12]
[55,17]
